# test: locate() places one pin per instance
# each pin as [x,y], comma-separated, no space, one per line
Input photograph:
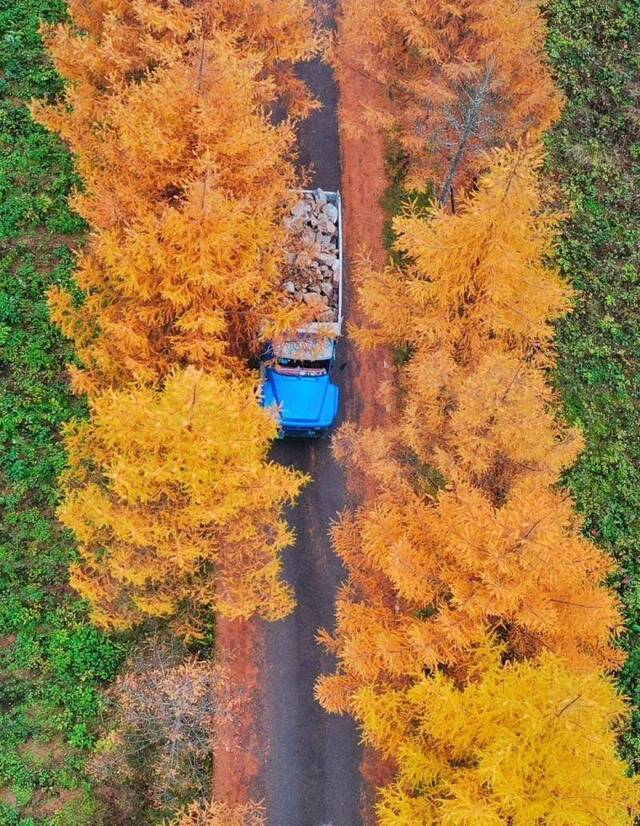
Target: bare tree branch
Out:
[470,126]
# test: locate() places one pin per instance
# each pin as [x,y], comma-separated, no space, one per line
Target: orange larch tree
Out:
[467,534]
[186,179]
[170,113]
[474,624]
[529,742]
[455,78]
[175,506]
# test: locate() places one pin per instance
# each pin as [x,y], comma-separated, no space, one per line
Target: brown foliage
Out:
[161,721]
[456,78]
[220,814]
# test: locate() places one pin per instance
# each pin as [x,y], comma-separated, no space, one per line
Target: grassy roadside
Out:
[594,153]
[52,661]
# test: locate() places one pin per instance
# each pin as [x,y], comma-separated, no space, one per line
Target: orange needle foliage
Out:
[456,77]
[185,179]
[528,743]
[175,506]
[468,534]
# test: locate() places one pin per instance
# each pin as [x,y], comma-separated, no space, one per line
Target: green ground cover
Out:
[52,661]
[594,153]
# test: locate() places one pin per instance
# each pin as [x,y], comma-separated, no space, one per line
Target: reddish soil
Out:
[238,747]
[7,796]
[364,183]
[43,806]
[40,752]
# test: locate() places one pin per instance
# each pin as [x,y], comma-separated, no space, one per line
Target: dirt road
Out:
[277,744]
[311,776]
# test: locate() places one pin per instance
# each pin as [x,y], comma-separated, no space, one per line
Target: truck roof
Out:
[305,348]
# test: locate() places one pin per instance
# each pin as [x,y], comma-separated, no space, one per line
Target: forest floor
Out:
[238,746]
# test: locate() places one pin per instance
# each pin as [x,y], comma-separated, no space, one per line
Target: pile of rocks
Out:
[313,262]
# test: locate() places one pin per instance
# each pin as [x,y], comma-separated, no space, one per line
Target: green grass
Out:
[53,663]
[595,155]
[397,198]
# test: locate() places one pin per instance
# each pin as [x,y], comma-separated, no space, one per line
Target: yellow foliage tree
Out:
[478,275]
[186,180]
[186,177]
[431,573]
[176,509]
[455,77]
[527,743]
[466,533]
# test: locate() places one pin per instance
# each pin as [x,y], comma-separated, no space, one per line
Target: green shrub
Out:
[53,663]
[594,155]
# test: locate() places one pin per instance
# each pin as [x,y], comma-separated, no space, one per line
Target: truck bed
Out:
[315,259]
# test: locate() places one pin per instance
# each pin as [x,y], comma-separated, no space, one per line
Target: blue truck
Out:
[297,371]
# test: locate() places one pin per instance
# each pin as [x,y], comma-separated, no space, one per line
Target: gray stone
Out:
[301,209]
[314,299]
[303,260]
[331,212]
[308,237]
[295,225]
[327,227]
[314,268]
[328,316]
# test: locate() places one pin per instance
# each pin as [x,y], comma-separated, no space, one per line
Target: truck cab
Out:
[297,381]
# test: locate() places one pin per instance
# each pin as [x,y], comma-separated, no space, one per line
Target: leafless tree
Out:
[163,709]
[220,814]
[473,121]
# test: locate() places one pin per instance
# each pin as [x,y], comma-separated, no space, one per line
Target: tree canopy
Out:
[185,182]
[455,79]
[526,743]
[175,505]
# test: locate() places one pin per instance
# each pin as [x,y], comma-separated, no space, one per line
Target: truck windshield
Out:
[294,367]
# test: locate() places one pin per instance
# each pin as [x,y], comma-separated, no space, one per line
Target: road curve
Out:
[311,774]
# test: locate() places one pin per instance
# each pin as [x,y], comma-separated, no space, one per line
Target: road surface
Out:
[311,776]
